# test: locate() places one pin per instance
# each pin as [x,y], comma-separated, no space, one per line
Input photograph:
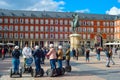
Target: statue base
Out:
[74,41]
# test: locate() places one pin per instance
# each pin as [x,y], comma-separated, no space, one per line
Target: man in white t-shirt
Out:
[26,52]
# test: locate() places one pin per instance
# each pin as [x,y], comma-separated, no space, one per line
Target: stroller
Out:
[28,68]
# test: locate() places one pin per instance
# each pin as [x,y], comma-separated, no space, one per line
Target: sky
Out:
[111,7]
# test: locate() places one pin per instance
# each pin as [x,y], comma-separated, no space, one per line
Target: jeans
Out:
[98,57]
[60,63]
[37,64]
[53,63]
[15,63]
[67,62]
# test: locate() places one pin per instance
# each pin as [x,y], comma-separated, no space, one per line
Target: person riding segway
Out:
[37,54]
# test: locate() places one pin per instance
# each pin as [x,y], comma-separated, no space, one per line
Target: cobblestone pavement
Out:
[94,70]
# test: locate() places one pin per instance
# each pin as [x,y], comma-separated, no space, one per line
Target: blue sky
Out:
[111,7]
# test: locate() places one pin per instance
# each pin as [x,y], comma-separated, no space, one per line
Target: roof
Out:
[50,14]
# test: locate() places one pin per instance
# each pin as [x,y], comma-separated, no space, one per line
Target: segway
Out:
[28,68]
[52,72]
[68,68]
[19,72]
[60,71]
[38,73]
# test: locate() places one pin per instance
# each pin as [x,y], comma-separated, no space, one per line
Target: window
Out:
[26,35]
[92,23]
[107,30]
[92,29]
[98,23]
[31,35]
[11,35]
[104,24]
[26,28]
[51,36]
[61,29]
[46,36]
[66,29]
[1,20]
[111,23]
[88,36]
[98,29]
[0,28]
[107,23]
[16,35]
[5,20]
[31,21]
[15,21]
[51,28]
[46,21]
[21,35]
[26,21]
[5,35]
[36,21]
[56,36]
[0,35]
[111,30]
[51,21]
[41,28]
[41,21]
[11,27]
[41,36]
[31,28]
[66,36]
[21,21]
[11,21]
[65,22]
[61,36]
[56,28]
[36,28]
[16,28]
[36,36]
[84,36]
[5,28]
[61,22]
[21,28]
[56,21]
[46,28]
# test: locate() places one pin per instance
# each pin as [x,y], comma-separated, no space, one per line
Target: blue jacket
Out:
[37,53]
[16,54]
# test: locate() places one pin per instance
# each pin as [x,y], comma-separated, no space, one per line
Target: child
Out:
[87,55]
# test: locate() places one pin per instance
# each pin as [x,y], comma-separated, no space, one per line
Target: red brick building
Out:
[44,27]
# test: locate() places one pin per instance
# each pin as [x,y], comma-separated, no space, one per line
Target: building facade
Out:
[45,27]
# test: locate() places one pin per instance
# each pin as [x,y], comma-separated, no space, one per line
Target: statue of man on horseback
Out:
[75,22]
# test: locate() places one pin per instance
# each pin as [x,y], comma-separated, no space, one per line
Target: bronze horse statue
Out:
[75,22]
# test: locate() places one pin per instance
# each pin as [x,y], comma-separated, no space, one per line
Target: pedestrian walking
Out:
[87,55]
[3,53]
[67,54]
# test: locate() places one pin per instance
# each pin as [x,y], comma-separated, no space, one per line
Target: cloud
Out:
[3,4]
[83,11]
[48,5]
[113,11]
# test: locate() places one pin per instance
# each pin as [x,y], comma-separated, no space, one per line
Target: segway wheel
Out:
[50,73]
[32,72]
[35,73]
[41,72]
[11,72]
[20,72]
[58,71]
[68,68]
[62,71]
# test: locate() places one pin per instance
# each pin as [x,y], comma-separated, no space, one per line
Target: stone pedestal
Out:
[74,41]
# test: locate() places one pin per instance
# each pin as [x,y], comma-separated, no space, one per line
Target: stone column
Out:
[74,41]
